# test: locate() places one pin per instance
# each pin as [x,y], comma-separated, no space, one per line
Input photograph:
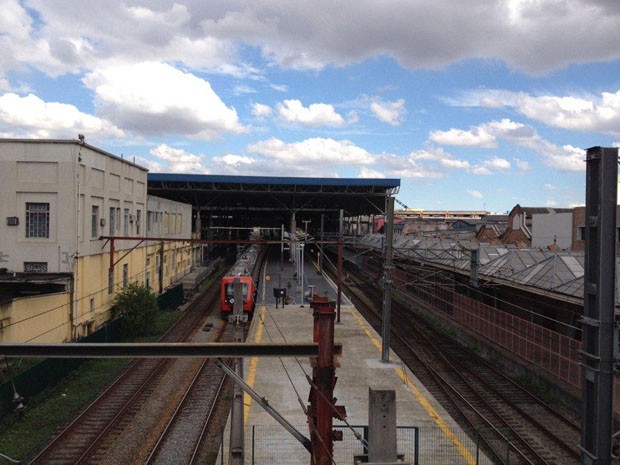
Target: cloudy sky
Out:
[482,106]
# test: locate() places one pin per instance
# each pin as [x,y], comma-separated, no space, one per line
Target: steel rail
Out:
[184,325]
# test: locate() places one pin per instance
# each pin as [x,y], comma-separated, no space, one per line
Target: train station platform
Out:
[426,433]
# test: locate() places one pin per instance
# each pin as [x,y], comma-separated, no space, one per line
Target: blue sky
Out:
[478,107]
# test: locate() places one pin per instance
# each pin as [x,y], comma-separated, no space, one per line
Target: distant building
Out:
[58,198]
[578,230]
[491,228]
[521,224]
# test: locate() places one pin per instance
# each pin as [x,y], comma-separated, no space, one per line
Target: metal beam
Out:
[161,350]
[264,404]
[387,280]
[598,321]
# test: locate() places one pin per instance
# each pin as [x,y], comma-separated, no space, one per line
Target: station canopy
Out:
[260,197]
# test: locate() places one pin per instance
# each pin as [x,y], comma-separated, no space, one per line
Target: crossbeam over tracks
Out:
[161,350]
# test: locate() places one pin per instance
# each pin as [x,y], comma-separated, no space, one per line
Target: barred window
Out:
[94,221]
[37,219]
[35,267]
[126,222]
[112,221]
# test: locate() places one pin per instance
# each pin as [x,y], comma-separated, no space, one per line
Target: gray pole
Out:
[321,244]
[387,280]
[598,321]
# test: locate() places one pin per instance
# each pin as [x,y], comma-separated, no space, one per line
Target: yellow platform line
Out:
[423,401]
[251,378]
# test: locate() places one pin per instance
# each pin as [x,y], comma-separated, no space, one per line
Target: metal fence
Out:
[418,446]
[551,351]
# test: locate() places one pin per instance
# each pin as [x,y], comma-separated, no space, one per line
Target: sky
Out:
[472,105]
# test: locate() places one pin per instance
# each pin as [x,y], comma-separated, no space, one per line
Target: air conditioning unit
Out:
[131,218]
[102,221]
[12,221]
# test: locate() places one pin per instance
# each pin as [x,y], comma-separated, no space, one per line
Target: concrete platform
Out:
[423,424]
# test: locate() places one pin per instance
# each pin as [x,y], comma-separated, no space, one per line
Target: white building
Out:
[58,198]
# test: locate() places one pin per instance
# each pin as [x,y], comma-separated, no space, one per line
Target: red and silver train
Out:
[242,270]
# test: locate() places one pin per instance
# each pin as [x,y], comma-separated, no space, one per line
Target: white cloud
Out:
[578,113]
[452,163]
[497,164]
[317,114]
[176,160]
[549,187]
[243,89]
[260,111]
[476,137]
[389,112]
[522,165]
[156,99]
[565,158]
[481,171]
[370,174]
[234,160]
[299,35]
[279,87]
[474,193]
[600,114]
[551,203]
[31,116]
[315,151]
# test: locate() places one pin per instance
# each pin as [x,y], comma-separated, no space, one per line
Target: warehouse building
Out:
[59,198]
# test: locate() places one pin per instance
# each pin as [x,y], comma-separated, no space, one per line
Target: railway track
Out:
[476,394]
[106,416]
[182,438]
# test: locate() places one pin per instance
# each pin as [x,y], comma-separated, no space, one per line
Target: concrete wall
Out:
[547,228]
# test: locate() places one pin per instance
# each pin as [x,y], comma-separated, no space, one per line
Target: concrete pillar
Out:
[382,426]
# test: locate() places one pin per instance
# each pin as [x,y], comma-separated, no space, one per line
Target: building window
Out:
[37,219]
[125,275]
[581,233]
[118,219]
[149,221]
[112,221]
[110,282]
[92,304]
[138,221]
[126,222]
[35,267]
[94,218]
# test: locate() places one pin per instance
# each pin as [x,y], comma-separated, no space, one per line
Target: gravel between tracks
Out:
[136,440]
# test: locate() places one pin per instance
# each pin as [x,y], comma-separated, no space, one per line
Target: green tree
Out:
[138,307]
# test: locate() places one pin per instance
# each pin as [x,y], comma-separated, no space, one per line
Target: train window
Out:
[230,290]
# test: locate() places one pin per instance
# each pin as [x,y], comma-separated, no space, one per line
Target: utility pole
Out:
[598,349]
[387,280]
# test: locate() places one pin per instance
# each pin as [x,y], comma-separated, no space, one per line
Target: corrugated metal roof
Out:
[389,183]
[560,272]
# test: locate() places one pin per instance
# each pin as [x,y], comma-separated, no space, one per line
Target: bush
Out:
[138,307]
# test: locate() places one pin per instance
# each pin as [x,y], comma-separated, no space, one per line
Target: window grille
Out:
[35,267]
[112,221]
[138,221]
[126,222]
[95,221]
[37,219]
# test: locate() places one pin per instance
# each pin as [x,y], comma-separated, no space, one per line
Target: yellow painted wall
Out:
[48,318]
[36,319]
